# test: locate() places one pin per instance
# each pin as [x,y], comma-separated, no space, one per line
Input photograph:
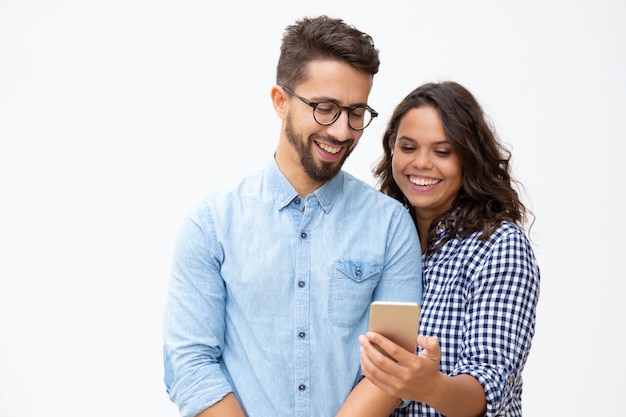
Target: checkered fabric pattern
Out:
[480,301]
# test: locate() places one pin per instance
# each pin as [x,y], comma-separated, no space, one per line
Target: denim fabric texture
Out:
[269,292]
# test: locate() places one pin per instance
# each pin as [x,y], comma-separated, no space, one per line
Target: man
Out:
[272,279]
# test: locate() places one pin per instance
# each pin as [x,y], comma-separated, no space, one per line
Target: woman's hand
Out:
[408,376]
[417,377]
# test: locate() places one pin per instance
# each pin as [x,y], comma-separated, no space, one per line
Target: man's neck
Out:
[296,176]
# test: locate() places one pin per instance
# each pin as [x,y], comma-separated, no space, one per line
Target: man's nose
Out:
[341,129]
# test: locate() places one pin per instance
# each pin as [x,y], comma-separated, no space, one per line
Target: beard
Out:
[323,171]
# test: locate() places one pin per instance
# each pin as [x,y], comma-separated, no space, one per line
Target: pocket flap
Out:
[357,271]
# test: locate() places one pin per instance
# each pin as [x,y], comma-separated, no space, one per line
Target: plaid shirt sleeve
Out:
[500,319]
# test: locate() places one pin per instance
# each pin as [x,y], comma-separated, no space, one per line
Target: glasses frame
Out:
[348,109]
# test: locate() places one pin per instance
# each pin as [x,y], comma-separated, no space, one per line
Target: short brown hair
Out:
[322,37]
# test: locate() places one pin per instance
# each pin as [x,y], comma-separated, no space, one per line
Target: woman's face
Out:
[424,164]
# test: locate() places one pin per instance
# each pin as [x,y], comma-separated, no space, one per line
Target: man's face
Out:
[322,150]
[331,153]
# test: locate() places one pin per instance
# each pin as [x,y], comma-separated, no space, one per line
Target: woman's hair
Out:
[487,197]
[323,38]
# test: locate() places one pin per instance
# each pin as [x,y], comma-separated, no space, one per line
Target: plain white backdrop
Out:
[116,117]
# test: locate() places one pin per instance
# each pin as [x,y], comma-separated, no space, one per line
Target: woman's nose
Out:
[421,160]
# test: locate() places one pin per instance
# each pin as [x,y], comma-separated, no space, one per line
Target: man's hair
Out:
[322,37]
[487,196]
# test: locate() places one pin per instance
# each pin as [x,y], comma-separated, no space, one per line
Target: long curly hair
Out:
[487,196]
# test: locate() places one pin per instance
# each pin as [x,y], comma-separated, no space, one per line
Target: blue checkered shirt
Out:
[480,300]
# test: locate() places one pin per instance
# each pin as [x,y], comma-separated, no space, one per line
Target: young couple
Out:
[272,280]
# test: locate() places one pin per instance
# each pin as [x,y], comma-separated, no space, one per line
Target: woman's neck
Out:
[423,224]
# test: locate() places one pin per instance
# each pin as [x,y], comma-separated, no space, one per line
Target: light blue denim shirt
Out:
[269,292]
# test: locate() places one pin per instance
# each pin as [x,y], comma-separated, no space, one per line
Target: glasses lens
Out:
[360,118]
[326,112]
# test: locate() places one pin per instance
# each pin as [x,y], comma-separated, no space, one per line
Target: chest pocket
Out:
[351,289]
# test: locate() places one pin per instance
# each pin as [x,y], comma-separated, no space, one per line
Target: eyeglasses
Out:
[327,112]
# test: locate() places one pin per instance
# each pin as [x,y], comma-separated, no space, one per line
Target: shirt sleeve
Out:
[402,272]
[500,318]
[193,324]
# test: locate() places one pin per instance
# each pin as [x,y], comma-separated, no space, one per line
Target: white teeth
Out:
[329,149]
[422,181]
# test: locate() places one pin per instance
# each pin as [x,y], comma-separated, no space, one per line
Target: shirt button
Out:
[303,235]
[301,387]
[302,334]
[301,284]
[297,201]
[358,272]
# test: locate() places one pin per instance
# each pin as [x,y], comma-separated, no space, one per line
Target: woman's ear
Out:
[279,101]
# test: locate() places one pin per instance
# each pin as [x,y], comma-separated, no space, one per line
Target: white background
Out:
[116,117]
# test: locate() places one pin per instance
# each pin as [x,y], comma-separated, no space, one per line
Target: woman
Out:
[481,279]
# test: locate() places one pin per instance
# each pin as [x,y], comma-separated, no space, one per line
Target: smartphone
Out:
[397,321]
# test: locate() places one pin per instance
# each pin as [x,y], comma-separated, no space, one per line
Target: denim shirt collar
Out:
[283,192]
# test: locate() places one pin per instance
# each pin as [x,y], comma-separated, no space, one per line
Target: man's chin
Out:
[326,171]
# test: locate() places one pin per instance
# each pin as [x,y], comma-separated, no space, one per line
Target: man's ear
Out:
[279,101]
